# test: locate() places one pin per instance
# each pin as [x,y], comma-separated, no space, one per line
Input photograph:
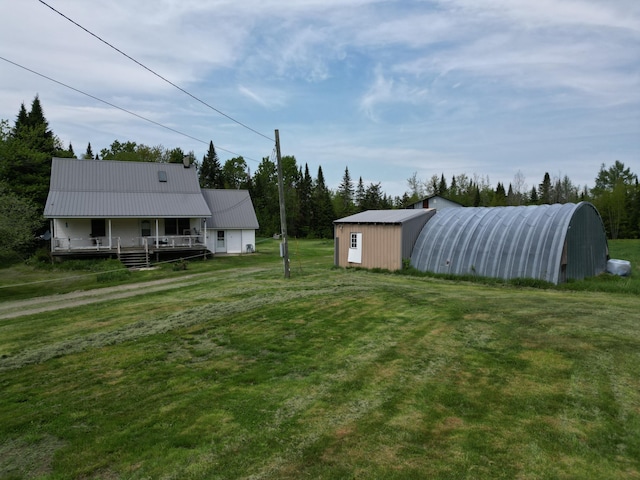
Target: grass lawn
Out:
[331,374]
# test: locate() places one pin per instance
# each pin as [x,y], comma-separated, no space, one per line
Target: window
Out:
[176,226]
[146,228]
[98,227]
[354,240]
[162,176]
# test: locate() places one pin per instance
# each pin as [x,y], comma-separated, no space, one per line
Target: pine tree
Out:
[323,208]
[359,199]
[345,195]
[26,163]
[210,172]
[442,186]
[305,199]
[544,190]
[89,153]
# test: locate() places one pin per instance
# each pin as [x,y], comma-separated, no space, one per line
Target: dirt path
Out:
[49,303]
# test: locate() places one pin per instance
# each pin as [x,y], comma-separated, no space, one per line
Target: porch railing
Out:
[100,244]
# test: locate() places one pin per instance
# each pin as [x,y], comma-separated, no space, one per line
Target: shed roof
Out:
[514,242]
[230,209]
[108,188]
[385,216]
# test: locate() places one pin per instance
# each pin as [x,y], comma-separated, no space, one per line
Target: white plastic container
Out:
[619,267]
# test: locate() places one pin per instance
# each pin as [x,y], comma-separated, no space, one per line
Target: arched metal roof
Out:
[546,242]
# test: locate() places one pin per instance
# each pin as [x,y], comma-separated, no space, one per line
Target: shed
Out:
[378,238]
[554,243]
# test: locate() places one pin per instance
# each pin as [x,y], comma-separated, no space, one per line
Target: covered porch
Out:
[118,235]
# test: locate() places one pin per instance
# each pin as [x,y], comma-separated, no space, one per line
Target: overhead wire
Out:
[122,109]
[155,73]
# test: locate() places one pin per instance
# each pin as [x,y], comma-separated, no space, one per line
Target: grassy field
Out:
[331,374]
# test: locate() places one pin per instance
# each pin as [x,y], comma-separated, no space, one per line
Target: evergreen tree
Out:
[345,195]
[442,186]
[534,196]
[612,196]
[500,197]
[544,190]
[323,208]
[25,159]
[210,173]
[476,197]
[305,199]
[88,155]
[373,199]
[359,199]
[264,194]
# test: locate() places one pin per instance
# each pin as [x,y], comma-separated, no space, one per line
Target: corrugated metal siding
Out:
[96,189]
[73,175]
[131,205]
[508,242]
[230,209]
[587,253]
[411,230]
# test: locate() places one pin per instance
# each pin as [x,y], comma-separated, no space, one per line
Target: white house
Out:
[436,202]
[111,207]
[232,226]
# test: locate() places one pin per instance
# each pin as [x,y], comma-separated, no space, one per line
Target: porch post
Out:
[52,239]
[157,235]
[110,234]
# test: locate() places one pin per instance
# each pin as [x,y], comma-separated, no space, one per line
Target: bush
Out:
[111,271]
[180,265]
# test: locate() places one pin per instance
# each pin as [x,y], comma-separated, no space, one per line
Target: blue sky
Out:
[489,88]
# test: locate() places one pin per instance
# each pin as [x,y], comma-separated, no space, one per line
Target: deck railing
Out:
[101,244]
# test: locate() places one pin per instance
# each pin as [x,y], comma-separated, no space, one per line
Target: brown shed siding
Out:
[381,245]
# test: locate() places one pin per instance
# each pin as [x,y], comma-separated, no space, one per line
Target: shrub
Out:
[111,271]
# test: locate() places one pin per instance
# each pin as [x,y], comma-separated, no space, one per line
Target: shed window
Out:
[354,240]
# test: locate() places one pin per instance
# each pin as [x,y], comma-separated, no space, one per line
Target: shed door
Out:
[355,248]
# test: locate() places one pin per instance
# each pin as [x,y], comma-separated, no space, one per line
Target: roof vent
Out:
[162,176]
[186,161]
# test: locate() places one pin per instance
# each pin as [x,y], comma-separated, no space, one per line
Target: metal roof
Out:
[384,216]
[107,189]
[230,209]
[546,242]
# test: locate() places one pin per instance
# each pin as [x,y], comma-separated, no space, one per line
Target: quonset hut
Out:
[553,243]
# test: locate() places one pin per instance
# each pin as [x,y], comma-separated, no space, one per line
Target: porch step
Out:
[134,259]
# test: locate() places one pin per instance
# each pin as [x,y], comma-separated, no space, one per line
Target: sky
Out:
[494,89]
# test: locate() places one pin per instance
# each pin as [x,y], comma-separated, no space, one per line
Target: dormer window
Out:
[162,176]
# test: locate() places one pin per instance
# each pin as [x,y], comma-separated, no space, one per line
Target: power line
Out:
[155,73]
[122,109]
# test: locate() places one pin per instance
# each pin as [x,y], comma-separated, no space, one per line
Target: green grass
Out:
[331,374]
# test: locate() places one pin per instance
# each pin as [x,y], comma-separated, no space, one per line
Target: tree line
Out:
[26,149]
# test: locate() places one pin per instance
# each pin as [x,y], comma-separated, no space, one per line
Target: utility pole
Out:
[283,214]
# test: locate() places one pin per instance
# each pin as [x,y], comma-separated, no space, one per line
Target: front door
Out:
[221,244]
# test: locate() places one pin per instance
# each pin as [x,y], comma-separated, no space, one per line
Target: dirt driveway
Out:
[49,303]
